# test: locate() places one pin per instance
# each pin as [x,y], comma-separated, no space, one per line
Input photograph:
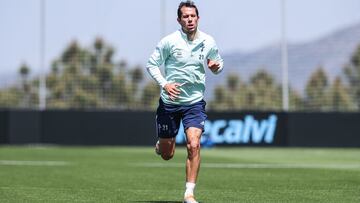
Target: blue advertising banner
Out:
[241,129]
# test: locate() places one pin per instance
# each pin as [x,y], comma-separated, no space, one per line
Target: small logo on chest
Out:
[178,54]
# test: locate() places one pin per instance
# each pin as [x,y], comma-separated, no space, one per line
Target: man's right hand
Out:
[172,90]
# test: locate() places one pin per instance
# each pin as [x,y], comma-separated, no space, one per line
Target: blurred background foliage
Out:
[83,78]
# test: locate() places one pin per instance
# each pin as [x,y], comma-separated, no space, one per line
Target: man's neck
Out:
[190,35]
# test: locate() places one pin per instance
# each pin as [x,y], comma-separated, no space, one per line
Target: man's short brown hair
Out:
[190,4]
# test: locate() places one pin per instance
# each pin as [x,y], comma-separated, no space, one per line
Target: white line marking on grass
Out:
[33,163]
[255,166]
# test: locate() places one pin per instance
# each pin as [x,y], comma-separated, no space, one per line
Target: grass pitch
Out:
[124,174]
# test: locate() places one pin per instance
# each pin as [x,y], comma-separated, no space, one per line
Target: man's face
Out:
[189,19]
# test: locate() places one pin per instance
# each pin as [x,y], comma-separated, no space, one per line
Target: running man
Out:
[185,53]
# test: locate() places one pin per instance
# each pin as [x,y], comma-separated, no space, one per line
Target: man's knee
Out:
[193,148]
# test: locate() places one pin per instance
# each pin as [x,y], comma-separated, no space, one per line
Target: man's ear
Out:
[178,19]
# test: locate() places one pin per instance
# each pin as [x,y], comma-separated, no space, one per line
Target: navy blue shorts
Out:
[168,117]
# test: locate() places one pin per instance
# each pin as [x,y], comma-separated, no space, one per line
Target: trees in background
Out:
[340,98]
[316,91]
[262,92]
[88,77]
[85,78]
[352,74]
[259,93]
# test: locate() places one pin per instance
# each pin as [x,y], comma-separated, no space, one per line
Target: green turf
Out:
[119,174]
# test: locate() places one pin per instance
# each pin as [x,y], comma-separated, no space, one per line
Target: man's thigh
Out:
[194,116]
[167,121]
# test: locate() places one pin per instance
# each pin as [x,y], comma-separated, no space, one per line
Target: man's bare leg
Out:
[166,148]
[193,161]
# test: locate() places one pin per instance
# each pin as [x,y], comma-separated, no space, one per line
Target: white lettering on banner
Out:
[216,137]
[232,134]
[237,131]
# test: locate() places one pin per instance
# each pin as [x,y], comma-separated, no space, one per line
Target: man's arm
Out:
[156,59]
[214,60]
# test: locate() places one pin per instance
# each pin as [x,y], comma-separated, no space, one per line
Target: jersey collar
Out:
[197,35]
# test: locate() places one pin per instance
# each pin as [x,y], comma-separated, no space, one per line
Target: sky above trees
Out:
[134,27]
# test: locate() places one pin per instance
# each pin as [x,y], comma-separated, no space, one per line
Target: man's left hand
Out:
[213,65]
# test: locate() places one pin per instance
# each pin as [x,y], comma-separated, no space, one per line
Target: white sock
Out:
[189,189]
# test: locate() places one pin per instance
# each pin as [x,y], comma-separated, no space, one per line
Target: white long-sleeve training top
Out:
[185,63]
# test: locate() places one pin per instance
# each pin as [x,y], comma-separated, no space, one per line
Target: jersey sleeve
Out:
[215,56]
[156,59]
